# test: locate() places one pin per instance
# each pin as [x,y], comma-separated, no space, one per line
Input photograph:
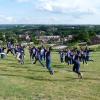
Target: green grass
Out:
[33,82]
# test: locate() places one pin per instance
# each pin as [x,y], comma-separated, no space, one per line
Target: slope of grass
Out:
[33,82]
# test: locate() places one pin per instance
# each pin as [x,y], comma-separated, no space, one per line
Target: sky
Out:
[49,11]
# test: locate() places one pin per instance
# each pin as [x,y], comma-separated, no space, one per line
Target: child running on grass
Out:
[20,54]
[76,66]
[48,61]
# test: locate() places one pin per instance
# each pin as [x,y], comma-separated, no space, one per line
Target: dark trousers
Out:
[69,61]
[76,69]
[22,58]
[38,59]
[61,59]
[84,59]
[10,50]
[32,57]
[48,65]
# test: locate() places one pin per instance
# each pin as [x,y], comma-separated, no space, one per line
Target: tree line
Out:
[80,32]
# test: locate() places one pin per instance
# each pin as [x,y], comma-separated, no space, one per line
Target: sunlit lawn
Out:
[33,82]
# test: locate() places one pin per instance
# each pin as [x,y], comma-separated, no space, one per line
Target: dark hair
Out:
[50,48]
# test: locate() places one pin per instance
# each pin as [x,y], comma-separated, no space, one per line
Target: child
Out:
[76,66]
[62,56]
[20,54]
[88,55]
[79,52]
[10,48]
[2,53]
[48,61]
[37,56]
[30,51]
[42,52]
[33,53]
[69,60]
[84,59]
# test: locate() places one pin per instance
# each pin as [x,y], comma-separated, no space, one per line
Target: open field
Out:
[33,82]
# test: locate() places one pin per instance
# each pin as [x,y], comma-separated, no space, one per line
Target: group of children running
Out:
[36,54]
[70,56]
[40,54]
[74,57]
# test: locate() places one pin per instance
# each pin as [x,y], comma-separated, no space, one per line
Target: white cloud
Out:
[54,12]
[7,19]
[75,8]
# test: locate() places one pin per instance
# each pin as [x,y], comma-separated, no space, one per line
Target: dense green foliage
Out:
[81,32]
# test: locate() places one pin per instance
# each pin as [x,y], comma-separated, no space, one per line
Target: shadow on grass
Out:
[59,66]
[90,71]
[39,78]
[29,70]
[36,70]
[7,70]
[89,78]
[18,66]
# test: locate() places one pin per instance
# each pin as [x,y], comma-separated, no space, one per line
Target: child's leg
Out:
[22,59]
[65,59]
[18,56]
[48,65]
[8,50]
[70,61]
[32,57]
[2,56]
[78,71]
[36,59]
[61,59]
[44,57]
[87,58]
[74,68]
[80,58]
[41,57]
[84,60]
[41,63]
[11,50]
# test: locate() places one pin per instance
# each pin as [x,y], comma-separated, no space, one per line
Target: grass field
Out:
[33,82]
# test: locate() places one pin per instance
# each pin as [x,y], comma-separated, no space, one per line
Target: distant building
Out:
[25,37]
[95,40]
[68,38]
[54,39]
[46,39]
[60,47]
[98,36]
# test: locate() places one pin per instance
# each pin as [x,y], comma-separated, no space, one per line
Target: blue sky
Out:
[49,12]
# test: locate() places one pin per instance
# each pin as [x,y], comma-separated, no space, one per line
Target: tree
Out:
[2,38]
[83,37]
